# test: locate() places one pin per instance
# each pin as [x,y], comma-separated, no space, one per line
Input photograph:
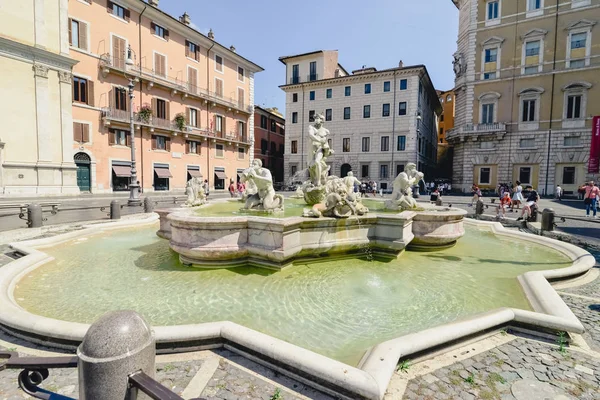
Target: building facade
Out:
[527,89]
[446,120]
[379,120]
[269,140]
[36,154]
[193,106]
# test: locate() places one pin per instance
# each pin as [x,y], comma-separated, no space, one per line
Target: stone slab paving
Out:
[588,312]
[493,374]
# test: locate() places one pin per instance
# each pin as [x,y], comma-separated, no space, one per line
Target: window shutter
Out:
[127,15]
[153,142]
[196,53]
[70,33]
[127,139]
[154,111]
[187,48]
[187,116]
[167,110]
[90,93]
[83,27]
[85,133]
[187,146]
[157,64]
[111,137]
[126,100]
[76,131]
[109,7]
[163,65]
[223,124]
[111,98]
[168,143]
[167,34]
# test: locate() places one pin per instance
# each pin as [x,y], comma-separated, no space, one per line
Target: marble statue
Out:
[339,201]
[194,191]
[314,187]
[402,197]
[265,198]
[458,65]
[350,180]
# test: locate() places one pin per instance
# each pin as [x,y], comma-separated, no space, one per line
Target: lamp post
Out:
[134,188]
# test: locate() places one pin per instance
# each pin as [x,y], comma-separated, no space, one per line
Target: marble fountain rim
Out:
[368,381]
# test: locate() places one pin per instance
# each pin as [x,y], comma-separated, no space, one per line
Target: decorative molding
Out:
[34,54]
[40,70]
[65,77]
[583,23]
[534,33]
[531,90]
[492,41]
[577,85]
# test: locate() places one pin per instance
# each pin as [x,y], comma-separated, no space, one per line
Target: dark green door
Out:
[83,163]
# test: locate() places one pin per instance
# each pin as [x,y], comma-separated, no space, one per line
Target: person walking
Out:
[517,197]
[476,195]
[558,192]
[590,198]
[232,188]
[374,189]
[206,188]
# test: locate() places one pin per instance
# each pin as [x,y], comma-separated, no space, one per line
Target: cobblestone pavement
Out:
[588,312]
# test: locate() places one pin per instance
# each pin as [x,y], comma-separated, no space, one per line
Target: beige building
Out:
[527,88]
[379,120]
[36,128]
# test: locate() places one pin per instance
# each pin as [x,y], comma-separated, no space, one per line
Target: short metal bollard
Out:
[115,210]
[479,207]
[548,216]
[117,345]
[34,215]
[148,205]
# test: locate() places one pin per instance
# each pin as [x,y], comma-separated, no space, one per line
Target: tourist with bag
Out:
[589,199]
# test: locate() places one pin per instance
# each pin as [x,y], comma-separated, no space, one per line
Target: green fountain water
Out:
[336,308]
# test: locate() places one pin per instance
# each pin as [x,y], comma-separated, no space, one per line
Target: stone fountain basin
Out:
[437,227]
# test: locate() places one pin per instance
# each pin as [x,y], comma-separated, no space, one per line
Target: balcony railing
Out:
[471,129]
[123,116]
[294,80]
[312,77]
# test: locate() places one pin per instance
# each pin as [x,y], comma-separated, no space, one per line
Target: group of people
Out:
[442,188]
[366,188]
[236,189]
[511,197]
[591,199]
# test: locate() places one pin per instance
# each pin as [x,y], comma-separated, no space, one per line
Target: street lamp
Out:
[134,188]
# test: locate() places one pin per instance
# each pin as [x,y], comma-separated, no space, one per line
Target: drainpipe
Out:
[394,144]
[207,116]
[551,101]
[141,87]
[512,97]
[302,136]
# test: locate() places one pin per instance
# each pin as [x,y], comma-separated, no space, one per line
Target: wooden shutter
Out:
[187,48]
[193,77]
[166,34]
[70,33]
[109,6]
[163,65]
[219,87]
[187,146]
[85,133]
[111,98]
[167,110]
[77,131]
[154,107]
[126,97]
[83,27]
[127,139]
[127,15]
[111,136]
[241,101]
[168,143]
[197,53]
[153,142]
[119,52]
[90,93]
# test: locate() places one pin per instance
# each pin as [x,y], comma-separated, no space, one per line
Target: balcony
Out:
[117,65]
[294,80]
[476,129]
[312,77]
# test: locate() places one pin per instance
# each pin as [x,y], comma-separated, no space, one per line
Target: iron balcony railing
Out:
[468,129]
[294,80]
[155,122]
[312,77]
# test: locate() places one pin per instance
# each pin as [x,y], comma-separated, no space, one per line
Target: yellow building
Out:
[36,128]
[527,88]
[446,121]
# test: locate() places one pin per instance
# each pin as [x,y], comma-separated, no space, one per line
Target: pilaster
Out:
[64,26]
[251,120]
[42,99]
[40,24]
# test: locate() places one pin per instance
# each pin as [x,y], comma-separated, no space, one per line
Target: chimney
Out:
[153,3]
[401,64]
[185,18]
[211,35]
[232,48]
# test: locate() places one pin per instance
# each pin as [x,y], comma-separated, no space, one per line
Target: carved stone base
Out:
[314,194]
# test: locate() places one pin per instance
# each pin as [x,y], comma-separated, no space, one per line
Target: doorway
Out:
[84,173]
[345,169]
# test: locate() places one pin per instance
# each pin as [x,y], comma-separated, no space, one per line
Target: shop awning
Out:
[194,173]
[121,171]
[220,175]
[163,172]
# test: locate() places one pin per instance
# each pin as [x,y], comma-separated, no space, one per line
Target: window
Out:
[578,40]
[219,122]
[264,146]
[576,63]
[241,74]
[366,144]
[80,90]
[118,11]
[574,106]
[219,152]
[399,168]
[193,147]
[74,33]
[346,145]
[294,149]
[367,111]
[385,143]
[401,143]
[367,88]
[491,55]
[78,34]
[294,118]
[527,144]
[386,86]
[530,70]
[293,169]
[525,174]
[489,75]
[120,98]
[534,5]
[385,112]
[346,112]
[328,93]
[347,90]
[449,98]
[328,113]
[273,148]
[486,145]
[193,117]
[161,143]
[441,131]
[311,116]
[403,84]
[532,48]
[311,95]
[159,31]
[160,65]
[571,141]
[241,131]
[294,97]
[281,151]
[192,50]
[218,63]
[484,175]
[313,71]
[263,122]
[161,109]
[295,73]
[218,87]
[364,170]
[402,108]
[241,153]
[568,176]
[81,132]
[528,111]
[442,118]
[273,126]
[492,10]
[487,113]
[119,137]
[383,171]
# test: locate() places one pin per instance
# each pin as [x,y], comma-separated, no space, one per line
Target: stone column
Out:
[69,169]
[64,26]
[40,24]
[42,101]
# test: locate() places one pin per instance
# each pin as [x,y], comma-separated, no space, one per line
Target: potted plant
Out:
[145,114]
[180,121]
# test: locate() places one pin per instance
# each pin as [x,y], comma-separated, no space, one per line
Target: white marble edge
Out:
[378,367]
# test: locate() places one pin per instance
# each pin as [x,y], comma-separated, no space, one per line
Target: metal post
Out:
[134,188]
[118,344]
[548,216]
[34,215]
[115,210]
[148,205]
[479,208]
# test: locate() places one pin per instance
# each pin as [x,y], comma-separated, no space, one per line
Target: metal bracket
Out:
[103,209]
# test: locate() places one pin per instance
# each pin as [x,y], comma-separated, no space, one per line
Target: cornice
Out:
[35,55]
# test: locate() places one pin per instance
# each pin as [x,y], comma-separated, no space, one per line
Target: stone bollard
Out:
[115,210]
[548,216]
[148,205]
[118,344]
[34,215]
[479,207]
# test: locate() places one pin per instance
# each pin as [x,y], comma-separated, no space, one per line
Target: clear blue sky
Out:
[377,34]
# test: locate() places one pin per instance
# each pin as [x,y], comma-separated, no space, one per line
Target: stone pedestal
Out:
[437,227]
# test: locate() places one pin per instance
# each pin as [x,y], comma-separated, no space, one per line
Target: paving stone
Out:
[541,376]
[430,378]
[509,376]
[585,370]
